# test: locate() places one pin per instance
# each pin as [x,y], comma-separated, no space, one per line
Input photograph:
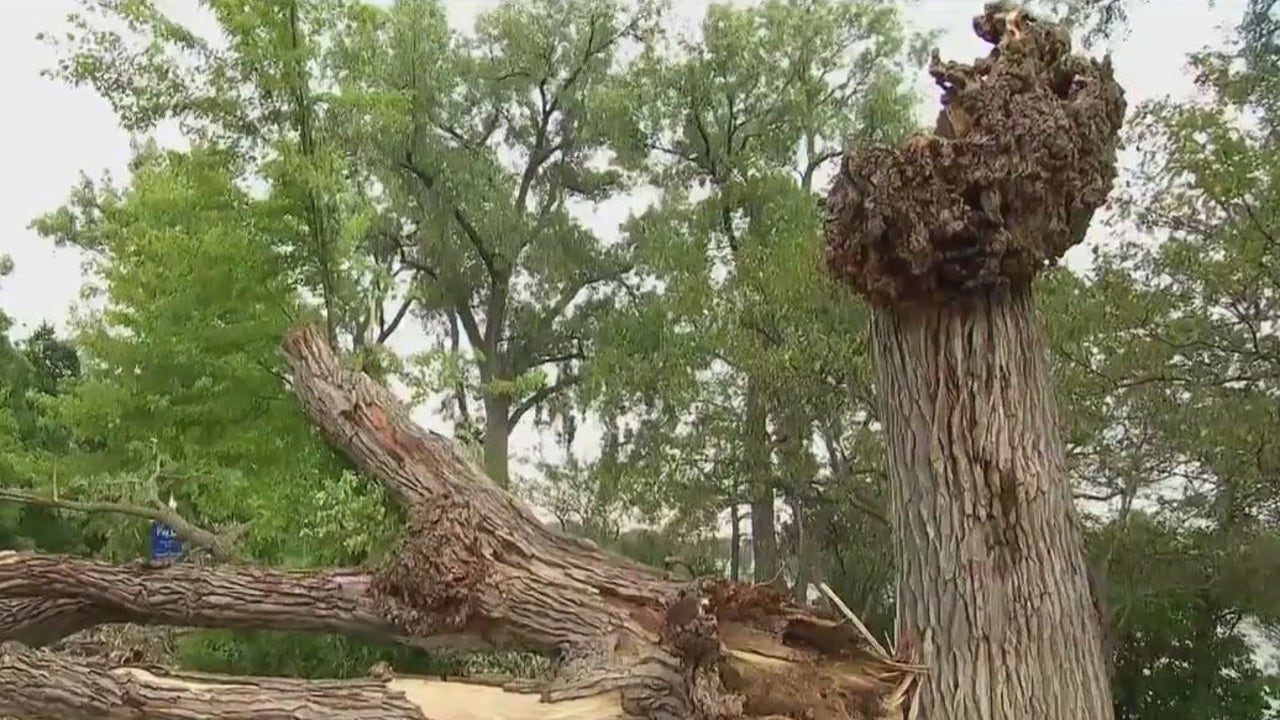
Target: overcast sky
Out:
[52,132]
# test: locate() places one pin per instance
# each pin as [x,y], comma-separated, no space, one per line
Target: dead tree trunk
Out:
[944,237]
[52,688]
[473,563]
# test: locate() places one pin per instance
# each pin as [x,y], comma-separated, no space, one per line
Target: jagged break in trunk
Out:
[944,237]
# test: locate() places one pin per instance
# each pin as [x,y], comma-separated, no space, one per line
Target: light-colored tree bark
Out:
[944,236]
[992,578]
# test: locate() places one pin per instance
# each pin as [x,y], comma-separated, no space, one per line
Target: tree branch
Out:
[87,592]
[542,394]
[386,329]
[468,229]
[223,546]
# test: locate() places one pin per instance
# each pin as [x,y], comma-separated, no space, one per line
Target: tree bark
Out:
[944,235]
[71,593]
[497,440]
[473,562]
[764,533]
[43,686]
[993,584]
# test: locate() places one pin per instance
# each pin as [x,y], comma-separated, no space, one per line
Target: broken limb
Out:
[45,686]
[474,561]
[43,594]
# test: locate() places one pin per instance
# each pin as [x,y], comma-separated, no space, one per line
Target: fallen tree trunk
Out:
[473,561]
[44,686]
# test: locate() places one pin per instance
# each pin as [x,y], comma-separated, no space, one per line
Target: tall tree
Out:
[944,235]
[1198,367]
[387,139]
[736,131]
[490,147]
[263,91]
[33,372]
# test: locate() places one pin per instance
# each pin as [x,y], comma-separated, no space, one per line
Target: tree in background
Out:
[1197,372]
[491,148]
[33,372]
[721,375]
[382,137]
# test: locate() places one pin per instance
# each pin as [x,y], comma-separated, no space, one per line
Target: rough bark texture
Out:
[82,593]
[993,584]
[1023,154]
[764,532]
[497,440]
[944,236]
[474,562]
[43,686]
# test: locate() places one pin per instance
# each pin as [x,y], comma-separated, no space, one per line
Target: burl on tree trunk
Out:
[473,563]
[944,236]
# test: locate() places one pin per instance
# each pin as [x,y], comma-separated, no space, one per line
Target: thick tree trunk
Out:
[61,594]
[497,440]
[993,585]
[474,562]
[764,533]
[944,235]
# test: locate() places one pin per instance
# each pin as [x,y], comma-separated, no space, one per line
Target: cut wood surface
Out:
[473,561]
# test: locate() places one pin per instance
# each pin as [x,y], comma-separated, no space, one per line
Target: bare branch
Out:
[1098,497]
[542,394]
[387,329]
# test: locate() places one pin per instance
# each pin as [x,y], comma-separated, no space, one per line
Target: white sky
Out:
[52,132]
